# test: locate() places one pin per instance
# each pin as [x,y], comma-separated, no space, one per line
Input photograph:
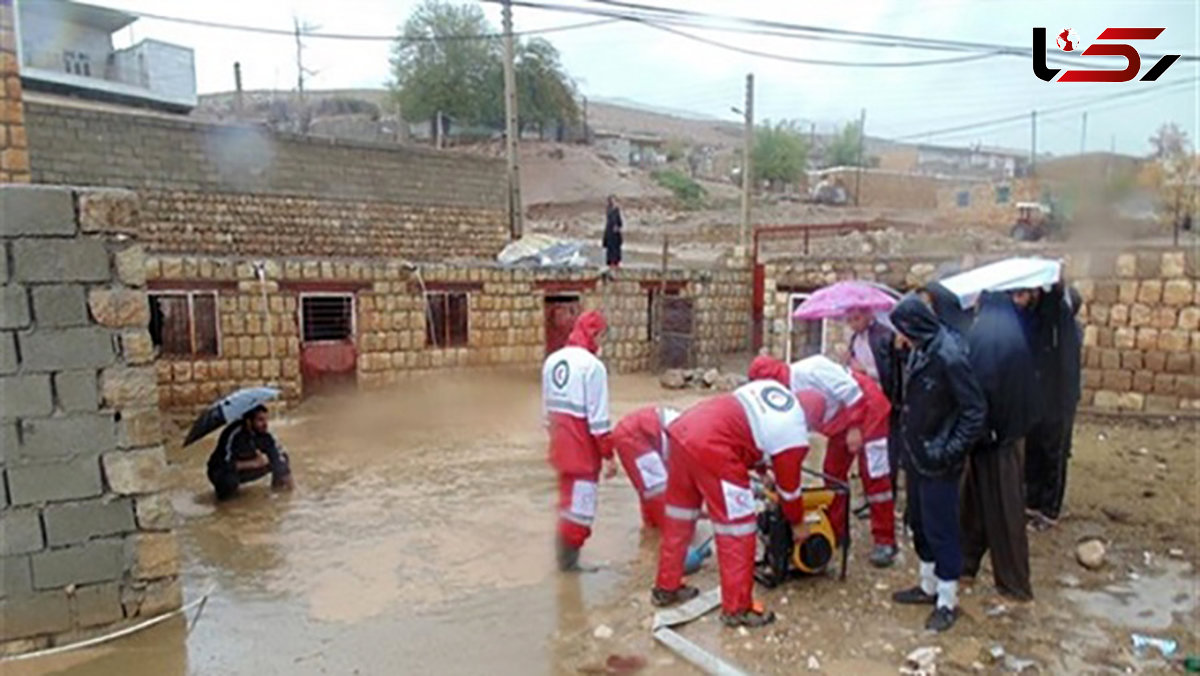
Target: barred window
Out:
[184,323]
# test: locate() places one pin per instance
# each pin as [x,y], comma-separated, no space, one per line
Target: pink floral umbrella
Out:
[835,300]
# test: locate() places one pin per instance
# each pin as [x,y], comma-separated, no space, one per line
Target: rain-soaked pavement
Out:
[418,539]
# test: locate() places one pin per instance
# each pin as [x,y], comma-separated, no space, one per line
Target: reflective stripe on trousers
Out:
[682,513]
[735,529]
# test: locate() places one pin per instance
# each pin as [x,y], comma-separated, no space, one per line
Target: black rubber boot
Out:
[568,558]
[748,619]
[941,619]
[662,598]
[914,597]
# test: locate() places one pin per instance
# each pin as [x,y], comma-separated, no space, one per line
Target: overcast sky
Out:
[639,63]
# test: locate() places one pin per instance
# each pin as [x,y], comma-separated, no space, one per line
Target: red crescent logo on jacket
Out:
[560,374]
[778,399]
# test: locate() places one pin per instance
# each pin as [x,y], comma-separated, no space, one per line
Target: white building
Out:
[66,47]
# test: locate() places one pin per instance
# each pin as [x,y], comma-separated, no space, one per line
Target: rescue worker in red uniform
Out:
[852,412]
[575,403]
[640,441]
[714,445]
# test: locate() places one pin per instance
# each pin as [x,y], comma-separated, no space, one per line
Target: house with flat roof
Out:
[67,48]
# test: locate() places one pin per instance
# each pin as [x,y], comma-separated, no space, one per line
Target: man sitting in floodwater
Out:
[247,452]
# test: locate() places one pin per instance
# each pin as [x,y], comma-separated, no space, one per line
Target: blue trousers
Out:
[933,518]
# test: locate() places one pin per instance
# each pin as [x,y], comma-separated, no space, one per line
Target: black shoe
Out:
[748,619]
[568,559]
[662,598]
[914,597]
[941,619]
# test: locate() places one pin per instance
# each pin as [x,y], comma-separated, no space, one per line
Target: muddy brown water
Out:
[419,540]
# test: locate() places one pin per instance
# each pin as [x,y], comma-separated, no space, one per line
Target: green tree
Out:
[842,150]
[446,59]
[435,67]
[780,153]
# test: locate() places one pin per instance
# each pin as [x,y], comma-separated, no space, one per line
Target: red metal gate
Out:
[561,312]
[328,355]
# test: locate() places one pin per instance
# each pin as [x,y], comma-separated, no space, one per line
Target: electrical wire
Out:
[359,37]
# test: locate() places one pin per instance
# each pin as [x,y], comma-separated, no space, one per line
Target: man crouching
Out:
[247,452]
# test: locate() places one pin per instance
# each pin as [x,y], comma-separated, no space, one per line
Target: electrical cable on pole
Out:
[512,128]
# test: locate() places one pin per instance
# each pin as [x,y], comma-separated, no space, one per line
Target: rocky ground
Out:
[1133,487]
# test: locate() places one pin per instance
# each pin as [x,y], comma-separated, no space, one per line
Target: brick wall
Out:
[1141,317]
[983,207]
[506,318]
[239,190]
[87,539]
[891,189]
[14,157]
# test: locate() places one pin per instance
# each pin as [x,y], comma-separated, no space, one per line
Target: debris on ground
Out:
[1175,553]
[603,632]
[1068,580]
[624,664]
[701,379]
[1143,643]
[1018,665]
[813,663]
[921,662]
[993,654]
[1090,554]
[1115,514]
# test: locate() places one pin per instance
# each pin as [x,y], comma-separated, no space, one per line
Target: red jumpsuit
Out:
[846,400]
[575,402]
[714,445]
[640,441]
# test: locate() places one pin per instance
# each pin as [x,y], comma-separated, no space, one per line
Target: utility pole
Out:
[1032,141]
[587,137]
[862,135]
[300,29]
[239,104]
[747,158]
[1083,134]
[515,220]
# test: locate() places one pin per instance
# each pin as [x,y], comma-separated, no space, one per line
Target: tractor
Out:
[1036,221]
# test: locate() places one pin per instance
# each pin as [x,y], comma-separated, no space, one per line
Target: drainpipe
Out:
[260,271]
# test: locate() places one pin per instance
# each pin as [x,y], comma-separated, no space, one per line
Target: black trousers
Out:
[226,480]
[933,518]
[993,517]
[1047,453]
[612,254]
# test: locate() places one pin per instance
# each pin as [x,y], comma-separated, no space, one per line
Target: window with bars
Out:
[446,319]
[327,317]
[77,63]
[184,323]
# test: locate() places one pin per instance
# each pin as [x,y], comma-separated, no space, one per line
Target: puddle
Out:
[1149,603]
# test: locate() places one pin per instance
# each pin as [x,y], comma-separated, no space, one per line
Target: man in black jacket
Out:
[1057,348]
[943,413]
[247,452]
[993,513]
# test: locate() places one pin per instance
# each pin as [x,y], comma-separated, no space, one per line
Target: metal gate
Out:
[561,312]
[328,356]
[677,327]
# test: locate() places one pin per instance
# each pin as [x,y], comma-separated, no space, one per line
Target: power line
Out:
[360,37]
[908,41]
[1023,116]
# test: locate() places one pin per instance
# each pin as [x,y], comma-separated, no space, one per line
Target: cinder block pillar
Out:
[86,537]
[14,150]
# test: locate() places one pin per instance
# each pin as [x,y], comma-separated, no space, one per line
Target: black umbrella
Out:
[232,407]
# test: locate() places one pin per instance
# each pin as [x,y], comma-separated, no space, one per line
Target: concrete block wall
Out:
[239,190]
[85,539]
[506,318]
[1141,316]
[14,153]
[982,207]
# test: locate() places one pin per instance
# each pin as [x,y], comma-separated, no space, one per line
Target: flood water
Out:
[419,539]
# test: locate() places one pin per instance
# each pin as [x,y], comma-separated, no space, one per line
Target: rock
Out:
[993,655]
[1143,451]
[1018,665]
[921,662]
[1068,581]
[625,664]
[729,382]
[673,379]
[743,632]
[1090,554]
[1115,514]
[1175,553]
[603,632]
[814,664]
[710,377]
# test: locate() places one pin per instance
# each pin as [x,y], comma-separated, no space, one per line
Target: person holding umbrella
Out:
[245,451]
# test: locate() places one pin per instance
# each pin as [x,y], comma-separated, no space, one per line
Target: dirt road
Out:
[419,541]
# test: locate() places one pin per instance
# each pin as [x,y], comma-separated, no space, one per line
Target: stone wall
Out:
[883,188]
[240,190]
[984,206]
[506,318]
[85,535]
[14,157]
[1141,317]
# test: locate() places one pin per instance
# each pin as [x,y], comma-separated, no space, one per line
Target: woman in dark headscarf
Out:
[947,307]
[1058,346]
[993,513]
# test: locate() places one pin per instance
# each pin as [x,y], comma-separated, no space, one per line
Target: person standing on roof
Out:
[575,404]
[640,441]
[852,412]
[714,445]
[613,239]
[944,412]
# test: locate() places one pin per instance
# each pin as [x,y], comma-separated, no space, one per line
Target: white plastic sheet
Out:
[1006,275]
